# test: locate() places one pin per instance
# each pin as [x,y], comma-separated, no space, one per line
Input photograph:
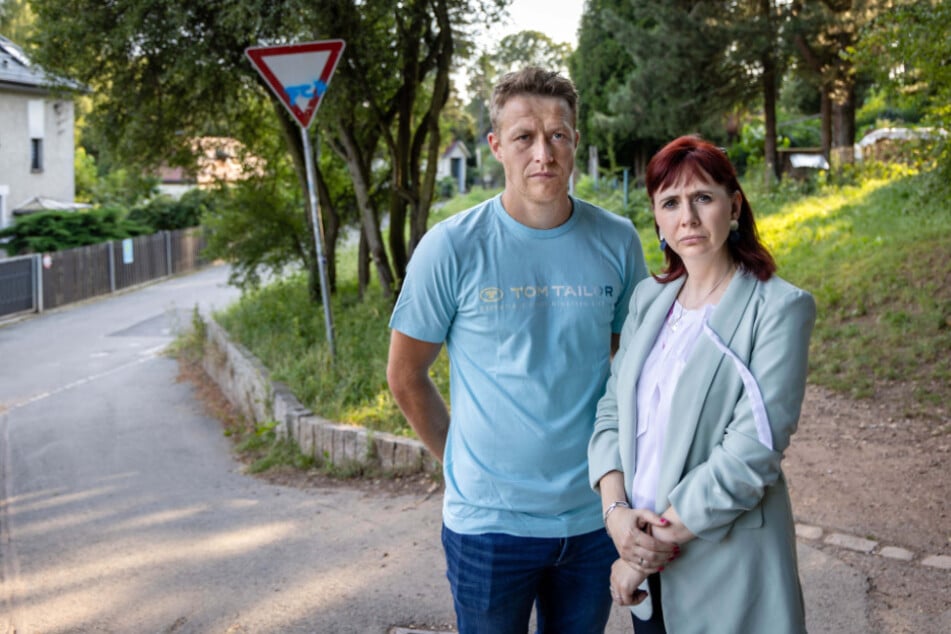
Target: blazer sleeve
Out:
[735,476]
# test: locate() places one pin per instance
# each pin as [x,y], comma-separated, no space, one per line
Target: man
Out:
[528,291]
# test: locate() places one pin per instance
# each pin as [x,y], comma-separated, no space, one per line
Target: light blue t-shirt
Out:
[527,316]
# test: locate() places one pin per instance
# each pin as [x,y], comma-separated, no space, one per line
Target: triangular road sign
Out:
[298,73]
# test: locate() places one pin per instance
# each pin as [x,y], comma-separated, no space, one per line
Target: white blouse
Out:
[655,391]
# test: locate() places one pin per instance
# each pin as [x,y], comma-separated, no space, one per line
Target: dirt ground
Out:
[866,469]
[855,467]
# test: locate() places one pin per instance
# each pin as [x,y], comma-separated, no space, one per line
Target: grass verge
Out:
[876,254]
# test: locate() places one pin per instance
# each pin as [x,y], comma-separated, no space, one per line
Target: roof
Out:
[457,147]
[17,71]
[41,203]
[803,159]
[901,134]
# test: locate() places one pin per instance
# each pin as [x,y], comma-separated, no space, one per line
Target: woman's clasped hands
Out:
[642,554]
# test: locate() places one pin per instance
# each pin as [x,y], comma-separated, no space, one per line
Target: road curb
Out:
[247,385]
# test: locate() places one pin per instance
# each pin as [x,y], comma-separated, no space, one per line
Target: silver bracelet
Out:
[611,507]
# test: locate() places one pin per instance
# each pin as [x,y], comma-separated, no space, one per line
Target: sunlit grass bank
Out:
[877,257]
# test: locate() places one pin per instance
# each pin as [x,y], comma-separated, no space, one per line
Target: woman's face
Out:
[694,216]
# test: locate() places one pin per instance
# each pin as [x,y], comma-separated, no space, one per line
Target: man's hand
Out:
[624,584]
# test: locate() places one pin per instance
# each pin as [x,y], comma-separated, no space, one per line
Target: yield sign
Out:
[298,73]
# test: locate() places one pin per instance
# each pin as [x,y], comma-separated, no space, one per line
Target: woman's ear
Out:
[737,205]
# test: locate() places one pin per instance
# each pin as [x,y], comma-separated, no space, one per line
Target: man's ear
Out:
[494,145]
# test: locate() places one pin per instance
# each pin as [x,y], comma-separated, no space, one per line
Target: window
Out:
[36,124]
[36,155]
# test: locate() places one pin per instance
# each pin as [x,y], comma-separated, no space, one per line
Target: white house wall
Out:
[56,180]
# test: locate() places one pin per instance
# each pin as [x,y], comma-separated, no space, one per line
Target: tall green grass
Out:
[876,255]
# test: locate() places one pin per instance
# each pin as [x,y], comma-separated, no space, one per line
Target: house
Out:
[36,134]
[452,163]
[217,160]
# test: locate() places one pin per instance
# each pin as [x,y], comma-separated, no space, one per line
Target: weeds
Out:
[267,450]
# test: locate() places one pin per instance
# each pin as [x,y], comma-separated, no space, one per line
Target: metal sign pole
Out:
[319,241]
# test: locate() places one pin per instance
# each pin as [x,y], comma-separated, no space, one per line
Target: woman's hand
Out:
[673,529]
[631,530]
[624,584]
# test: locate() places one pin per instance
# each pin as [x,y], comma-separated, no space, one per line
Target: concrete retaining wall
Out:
[248,386]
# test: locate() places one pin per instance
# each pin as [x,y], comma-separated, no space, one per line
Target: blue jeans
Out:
[496,578]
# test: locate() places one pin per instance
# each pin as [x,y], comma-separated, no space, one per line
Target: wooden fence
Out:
[42,281]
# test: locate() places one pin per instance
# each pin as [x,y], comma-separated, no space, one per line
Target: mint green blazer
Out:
[741,573]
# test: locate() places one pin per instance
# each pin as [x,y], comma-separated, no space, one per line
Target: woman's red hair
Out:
[693,155]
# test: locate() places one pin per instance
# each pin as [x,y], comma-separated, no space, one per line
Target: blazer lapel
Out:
[640,347]
[690,395]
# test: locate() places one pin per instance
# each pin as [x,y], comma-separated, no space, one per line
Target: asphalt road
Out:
[123,510]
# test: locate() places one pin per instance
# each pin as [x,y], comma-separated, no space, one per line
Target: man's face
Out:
[535,143]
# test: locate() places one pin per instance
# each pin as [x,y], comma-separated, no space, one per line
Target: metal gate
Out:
[17,284]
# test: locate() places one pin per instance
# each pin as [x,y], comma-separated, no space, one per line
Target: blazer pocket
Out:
[751,519]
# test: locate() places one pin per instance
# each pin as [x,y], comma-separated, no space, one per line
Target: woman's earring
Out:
[663,244]
[734,230]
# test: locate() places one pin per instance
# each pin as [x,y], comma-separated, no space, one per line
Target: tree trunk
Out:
[369,220]
[844,125]
[825,111]
[363,265]
[773,168]
[429,128]
[768,60]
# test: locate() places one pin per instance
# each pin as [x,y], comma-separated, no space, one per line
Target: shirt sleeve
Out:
[635,270]
[428,300]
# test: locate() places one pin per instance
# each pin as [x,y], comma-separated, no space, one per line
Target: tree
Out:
[598,67]
[659,69]
[166,71]
[530,48]
[16,20]
[907,48]
[825,34]
[759,59]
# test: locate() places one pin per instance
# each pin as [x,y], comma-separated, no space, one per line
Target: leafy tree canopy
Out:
[16,20]
[167,71]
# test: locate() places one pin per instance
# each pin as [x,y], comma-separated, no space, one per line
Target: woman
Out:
[704,394]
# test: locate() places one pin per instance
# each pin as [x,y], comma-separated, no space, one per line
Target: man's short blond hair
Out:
[532,81]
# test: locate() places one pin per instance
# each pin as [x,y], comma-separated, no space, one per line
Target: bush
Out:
[164,213]
[58,230]
[446,187]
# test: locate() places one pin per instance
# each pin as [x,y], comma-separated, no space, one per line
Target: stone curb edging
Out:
[870,547]
[247,385]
